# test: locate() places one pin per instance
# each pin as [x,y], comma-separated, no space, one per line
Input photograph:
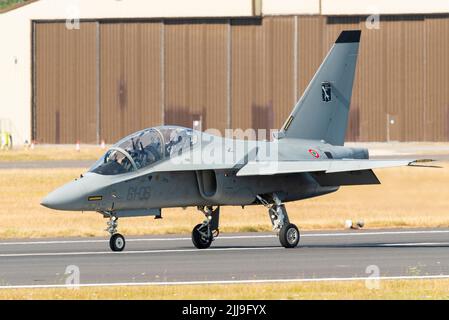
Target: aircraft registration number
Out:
[138,193]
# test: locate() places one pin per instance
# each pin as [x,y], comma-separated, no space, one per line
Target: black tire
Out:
[117,242]
[289,235]
[200,241]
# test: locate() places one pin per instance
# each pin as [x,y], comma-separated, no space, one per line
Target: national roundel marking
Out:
[314,153]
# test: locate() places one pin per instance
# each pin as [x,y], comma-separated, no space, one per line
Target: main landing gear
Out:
[204,233]
[117,241]
[288,233]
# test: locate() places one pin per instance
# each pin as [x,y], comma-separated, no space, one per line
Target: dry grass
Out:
[408,197]
[389,289]
[50,153]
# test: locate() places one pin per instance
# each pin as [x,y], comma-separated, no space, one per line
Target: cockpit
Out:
[144,148]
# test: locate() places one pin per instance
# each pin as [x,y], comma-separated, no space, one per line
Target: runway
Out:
[232,258]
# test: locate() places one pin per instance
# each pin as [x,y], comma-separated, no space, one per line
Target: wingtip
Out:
[423,160]
[423,163]
[348,36]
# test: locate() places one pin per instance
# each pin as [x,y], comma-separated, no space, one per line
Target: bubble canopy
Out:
[144,148]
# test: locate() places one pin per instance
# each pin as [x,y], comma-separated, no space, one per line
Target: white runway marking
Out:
[306,235]
[294,280]
[87,253]
[373,233]
[127,240]
[415,244]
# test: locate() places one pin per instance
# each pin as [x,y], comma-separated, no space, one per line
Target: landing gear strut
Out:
[204,233]
[117,241]
[288,233]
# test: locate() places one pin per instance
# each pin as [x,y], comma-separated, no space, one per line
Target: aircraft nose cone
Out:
[52,200]
[67,197]
[47,201]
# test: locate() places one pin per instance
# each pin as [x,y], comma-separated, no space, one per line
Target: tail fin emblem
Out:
[326,93]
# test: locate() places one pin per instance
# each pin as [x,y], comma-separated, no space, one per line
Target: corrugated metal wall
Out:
[246,73]
[262,72]
[130,81]
[65,83]
[195,67]
[436,99]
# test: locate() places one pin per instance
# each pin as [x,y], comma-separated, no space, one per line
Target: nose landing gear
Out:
[117,241]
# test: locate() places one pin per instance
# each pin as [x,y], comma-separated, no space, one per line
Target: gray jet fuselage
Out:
[150,187]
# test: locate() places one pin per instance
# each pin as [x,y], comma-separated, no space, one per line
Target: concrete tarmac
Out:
[231,258]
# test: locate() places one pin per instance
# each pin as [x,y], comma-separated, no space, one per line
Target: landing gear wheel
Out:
[117,242]
[200,237]
[289,235]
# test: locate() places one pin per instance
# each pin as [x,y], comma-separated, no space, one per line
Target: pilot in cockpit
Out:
[144,148]
[180,141]
[171,145]
[144,155]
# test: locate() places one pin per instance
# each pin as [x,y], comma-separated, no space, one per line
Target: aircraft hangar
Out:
[89,71]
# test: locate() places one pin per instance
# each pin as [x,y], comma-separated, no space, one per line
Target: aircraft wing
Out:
[189,166]
[197,161]
[254,168]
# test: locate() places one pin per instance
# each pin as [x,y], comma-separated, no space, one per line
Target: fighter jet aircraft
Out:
[170,166]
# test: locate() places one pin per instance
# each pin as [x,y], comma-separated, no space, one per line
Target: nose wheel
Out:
[117,241]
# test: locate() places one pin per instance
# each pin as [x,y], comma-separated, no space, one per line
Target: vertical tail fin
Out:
[322,111]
